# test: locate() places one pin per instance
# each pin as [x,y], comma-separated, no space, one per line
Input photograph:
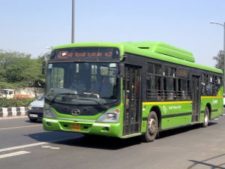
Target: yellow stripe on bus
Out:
[173,102]
[211,97]
[181,102]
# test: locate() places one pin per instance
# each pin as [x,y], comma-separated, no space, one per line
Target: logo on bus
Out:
[214,102]
[75,112]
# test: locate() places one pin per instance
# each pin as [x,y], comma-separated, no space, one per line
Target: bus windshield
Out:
[83,83]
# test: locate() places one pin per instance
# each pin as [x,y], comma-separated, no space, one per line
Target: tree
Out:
[20,69]
[219,60]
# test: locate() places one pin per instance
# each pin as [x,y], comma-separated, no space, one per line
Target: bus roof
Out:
[155,50]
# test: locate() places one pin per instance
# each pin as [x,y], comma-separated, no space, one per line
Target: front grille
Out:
[39,109]
[78,110]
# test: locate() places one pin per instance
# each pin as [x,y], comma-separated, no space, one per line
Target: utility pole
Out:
[223,25]
[73,22]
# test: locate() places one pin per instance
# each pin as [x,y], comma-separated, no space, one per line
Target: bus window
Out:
[182,89]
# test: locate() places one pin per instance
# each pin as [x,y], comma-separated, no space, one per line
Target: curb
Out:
[13,111]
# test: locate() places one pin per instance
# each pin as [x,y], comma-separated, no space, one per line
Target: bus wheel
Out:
[206,117]
[152,127]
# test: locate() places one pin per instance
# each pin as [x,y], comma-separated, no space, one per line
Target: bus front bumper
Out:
[95,128]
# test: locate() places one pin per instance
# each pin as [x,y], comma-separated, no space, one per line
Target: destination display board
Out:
[84,52]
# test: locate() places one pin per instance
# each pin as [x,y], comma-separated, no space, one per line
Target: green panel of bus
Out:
[128,89]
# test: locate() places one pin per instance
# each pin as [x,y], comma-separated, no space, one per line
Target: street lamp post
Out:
[223,25]
[73,22]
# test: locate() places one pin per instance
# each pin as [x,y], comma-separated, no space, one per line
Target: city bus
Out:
[128,89]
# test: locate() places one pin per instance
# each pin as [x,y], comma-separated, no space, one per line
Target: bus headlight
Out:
[110,116]
[48,112]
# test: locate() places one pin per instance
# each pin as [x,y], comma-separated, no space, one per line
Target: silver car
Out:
[35,109]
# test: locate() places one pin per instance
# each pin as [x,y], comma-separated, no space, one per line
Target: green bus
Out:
[128,89]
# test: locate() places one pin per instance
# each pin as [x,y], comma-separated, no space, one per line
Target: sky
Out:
[34,26]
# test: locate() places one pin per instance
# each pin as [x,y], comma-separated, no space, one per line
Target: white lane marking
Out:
[14,154]
[22,146]
[50,147]
[20,127]
[31,145]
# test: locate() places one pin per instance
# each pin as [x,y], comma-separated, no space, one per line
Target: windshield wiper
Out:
[79,98]
[55,92]
[52,99]
[93,94]
[92,99]
[68,96]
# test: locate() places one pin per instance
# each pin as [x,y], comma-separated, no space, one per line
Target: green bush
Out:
[15,102]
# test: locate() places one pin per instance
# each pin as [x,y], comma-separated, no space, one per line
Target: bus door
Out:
[196,100]
[132,109]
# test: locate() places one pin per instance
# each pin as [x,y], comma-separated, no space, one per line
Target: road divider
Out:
[12,111]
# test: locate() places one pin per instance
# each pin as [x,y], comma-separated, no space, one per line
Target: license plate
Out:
[76,127]
[33,115]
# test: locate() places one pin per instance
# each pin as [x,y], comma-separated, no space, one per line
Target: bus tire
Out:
[206,117]
[152,127]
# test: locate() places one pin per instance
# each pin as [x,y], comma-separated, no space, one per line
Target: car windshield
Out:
[41,97]
[82,83]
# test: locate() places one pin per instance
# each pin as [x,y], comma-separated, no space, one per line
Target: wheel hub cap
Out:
[152,126]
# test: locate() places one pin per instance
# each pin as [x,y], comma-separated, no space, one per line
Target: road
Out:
[25,145]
